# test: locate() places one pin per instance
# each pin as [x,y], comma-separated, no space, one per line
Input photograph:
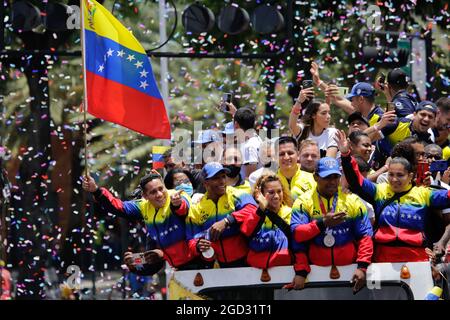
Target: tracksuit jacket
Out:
[399,231]
[165,226]
[353,237]
[235,204]
[269,244]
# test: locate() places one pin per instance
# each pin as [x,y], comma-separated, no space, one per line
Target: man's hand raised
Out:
[89,184]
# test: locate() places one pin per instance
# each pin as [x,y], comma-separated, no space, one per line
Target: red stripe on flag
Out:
[126,106]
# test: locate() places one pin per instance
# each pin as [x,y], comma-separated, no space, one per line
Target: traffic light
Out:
[385,49]
[386,57]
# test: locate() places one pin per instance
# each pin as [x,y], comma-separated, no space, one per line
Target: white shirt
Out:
[250,153]
[324,140]
[254,176]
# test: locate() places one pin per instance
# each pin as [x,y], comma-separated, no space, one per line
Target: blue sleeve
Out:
[126,209]
[403,107]
[440,199]
[362,226]
[363,187]
[242,200]
[390,129]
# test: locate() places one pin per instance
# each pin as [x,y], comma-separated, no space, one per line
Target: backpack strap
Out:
[387,202]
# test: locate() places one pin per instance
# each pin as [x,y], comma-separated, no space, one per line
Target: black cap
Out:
[397,77]
[357,116]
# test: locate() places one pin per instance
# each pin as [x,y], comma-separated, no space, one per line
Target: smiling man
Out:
[217,220]
[292,178]
[333,224]
[420,126]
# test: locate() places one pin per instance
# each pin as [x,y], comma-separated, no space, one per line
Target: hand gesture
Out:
[262,201]
[128,260]
[89,184]
[217,229]
[334,219]
[342,142]
[359,280]
[175,199]
[386,92]
[315,73]
[332,93]
[446,176]
[438,251]
[387,118]
[426,182]
[305,94]
[153,256]
[231,108]
[203,245]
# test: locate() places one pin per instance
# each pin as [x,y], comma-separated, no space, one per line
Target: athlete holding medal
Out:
[331,228]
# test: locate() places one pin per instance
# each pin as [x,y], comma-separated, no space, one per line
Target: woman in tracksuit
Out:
[401,208]
[269,244]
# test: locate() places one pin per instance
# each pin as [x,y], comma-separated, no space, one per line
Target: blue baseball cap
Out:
[361,89]
[427,105]
[327,166]
[207,136]
[212,169]
[229,128]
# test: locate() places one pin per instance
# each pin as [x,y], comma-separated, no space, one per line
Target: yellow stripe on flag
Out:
[159,149]
[102,22]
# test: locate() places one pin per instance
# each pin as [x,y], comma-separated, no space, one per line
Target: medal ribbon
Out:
[322,206]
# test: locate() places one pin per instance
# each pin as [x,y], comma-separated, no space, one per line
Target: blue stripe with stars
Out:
[110,60]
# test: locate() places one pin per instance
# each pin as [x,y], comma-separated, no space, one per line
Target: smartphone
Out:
[390,106]
[138,259]
[381,81]
[343,91]
[307,84]
[439,166]
[227,97]
[422,168]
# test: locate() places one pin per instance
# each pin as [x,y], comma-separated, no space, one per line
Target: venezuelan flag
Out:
[158,156]
[120,86]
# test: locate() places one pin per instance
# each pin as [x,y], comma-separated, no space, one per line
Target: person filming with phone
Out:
[395,90]
[401,207]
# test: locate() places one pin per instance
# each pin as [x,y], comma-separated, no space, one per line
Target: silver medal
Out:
[329,240]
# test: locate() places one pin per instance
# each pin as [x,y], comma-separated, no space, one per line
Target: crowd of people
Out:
[378,192]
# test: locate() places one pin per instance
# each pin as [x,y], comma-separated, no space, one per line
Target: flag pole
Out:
[85,102]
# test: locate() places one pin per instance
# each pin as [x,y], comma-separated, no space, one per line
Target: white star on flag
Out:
[144,84]
[100,68]
[109,52]
[130,57]
[143,73]
[120,53]
[139,64]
